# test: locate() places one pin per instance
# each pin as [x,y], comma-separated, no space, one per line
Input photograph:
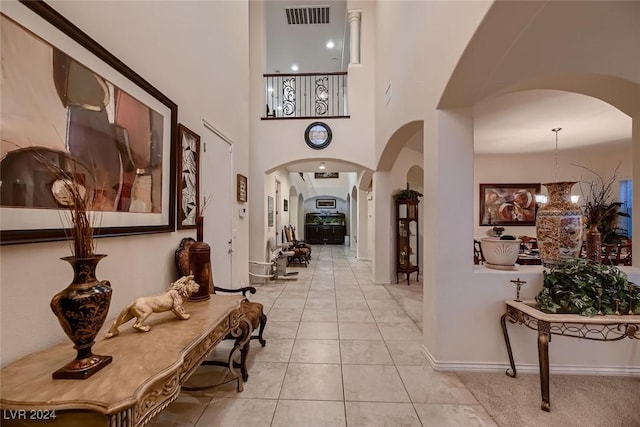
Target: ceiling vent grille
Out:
[307,15]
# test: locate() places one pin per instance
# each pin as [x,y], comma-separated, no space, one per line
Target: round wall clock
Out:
[318,135]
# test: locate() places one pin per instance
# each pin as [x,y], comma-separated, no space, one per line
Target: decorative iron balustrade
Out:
[305,95]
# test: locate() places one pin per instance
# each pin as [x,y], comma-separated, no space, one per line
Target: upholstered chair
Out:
[254,311]
[301,251]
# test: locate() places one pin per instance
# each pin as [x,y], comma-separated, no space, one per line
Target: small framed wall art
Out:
[241,188]
[188,177]
[270,211]
[508,204]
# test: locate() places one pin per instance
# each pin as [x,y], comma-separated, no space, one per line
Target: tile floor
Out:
[340,351]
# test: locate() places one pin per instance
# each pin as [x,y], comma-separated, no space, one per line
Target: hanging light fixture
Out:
[574,198]
[541,198]
[556,130]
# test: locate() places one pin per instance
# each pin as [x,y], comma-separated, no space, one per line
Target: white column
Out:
[354,36]
[383,253]
[362,242]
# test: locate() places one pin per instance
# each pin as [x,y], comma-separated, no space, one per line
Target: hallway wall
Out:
[540,167]
[278,142]
[177,47]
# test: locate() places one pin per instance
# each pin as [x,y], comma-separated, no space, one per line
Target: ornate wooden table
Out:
[146,374]
[597,328]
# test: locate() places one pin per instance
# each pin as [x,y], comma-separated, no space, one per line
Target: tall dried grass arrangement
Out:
[72,195]
[597,201]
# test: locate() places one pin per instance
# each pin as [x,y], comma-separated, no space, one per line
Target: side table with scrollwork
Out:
[598,328]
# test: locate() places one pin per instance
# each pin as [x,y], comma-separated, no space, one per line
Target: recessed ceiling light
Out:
[330,44]
[294,67]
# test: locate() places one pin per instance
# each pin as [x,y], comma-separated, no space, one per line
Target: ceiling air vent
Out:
[307,15]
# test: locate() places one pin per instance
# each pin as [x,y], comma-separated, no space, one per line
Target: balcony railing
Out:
[305,95]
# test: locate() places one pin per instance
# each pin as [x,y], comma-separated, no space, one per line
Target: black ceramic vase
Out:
[81,309]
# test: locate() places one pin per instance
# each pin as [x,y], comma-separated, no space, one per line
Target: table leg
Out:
[503,322]
[544,333]
[243,336]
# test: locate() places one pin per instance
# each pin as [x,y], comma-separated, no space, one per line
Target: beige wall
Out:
[277,142]
[177,46]
[519,45]
[179,49]
[540,167]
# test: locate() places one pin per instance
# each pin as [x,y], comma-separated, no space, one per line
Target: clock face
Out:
[318,135]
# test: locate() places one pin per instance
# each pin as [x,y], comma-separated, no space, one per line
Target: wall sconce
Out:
[322,166]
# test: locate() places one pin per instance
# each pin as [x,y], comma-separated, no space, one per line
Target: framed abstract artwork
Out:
[65,97]
[508,204]
[188,177]
[241,188]
[270,211]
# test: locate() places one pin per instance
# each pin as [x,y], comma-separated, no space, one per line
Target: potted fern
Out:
[408,194]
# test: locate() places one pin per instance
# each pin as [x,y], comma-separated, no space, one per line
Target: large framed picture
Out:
[508,204]
[188,177]
[325,203]
[65,97]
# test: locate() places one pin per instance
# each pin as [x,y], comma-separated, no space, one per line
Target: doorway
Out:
[216,182]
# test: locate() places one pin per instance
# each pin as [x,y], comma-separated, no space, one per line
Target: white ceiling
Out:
[518,122]
[305,44]
[521,122]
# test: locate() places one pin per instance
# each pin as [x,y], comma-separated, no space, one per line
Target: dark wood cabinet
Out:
[323,228]
[407,250]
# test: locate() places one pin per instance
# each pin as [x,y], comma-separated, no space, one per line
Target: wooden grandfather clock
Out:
[407,250]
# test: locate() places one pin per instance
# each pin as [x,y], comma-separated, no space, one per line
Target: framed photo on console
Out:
[508,204]
[65,96]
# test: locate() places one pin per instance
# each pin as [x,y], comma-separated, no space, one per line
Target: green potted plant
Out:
[408,194]
[580,286]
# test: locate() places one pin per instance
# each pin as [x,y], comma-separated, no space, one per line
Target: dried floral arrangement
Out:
[598,208]
[70,191]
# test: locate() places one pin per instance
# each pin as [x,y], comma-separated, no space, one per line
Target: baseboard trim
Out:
[528,368]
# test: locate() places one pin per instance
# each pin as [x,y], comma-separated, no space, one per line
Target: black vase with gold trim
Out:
[81,309]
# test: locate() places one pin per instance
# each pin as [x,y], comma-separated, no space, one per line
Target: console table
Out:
[597,328]
[146,374]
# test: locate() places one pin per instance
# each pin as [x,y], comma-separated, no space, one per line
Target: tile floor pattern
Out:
[341,351]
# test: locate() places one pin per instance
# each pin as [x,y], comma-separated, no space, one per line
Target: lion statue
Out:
[144,307]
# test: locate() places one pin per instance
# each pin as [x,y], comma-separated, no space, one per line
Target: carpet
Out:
[580,401]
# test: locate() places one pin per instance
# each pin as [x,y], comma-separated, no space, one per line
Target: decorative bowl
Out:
[500,254]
